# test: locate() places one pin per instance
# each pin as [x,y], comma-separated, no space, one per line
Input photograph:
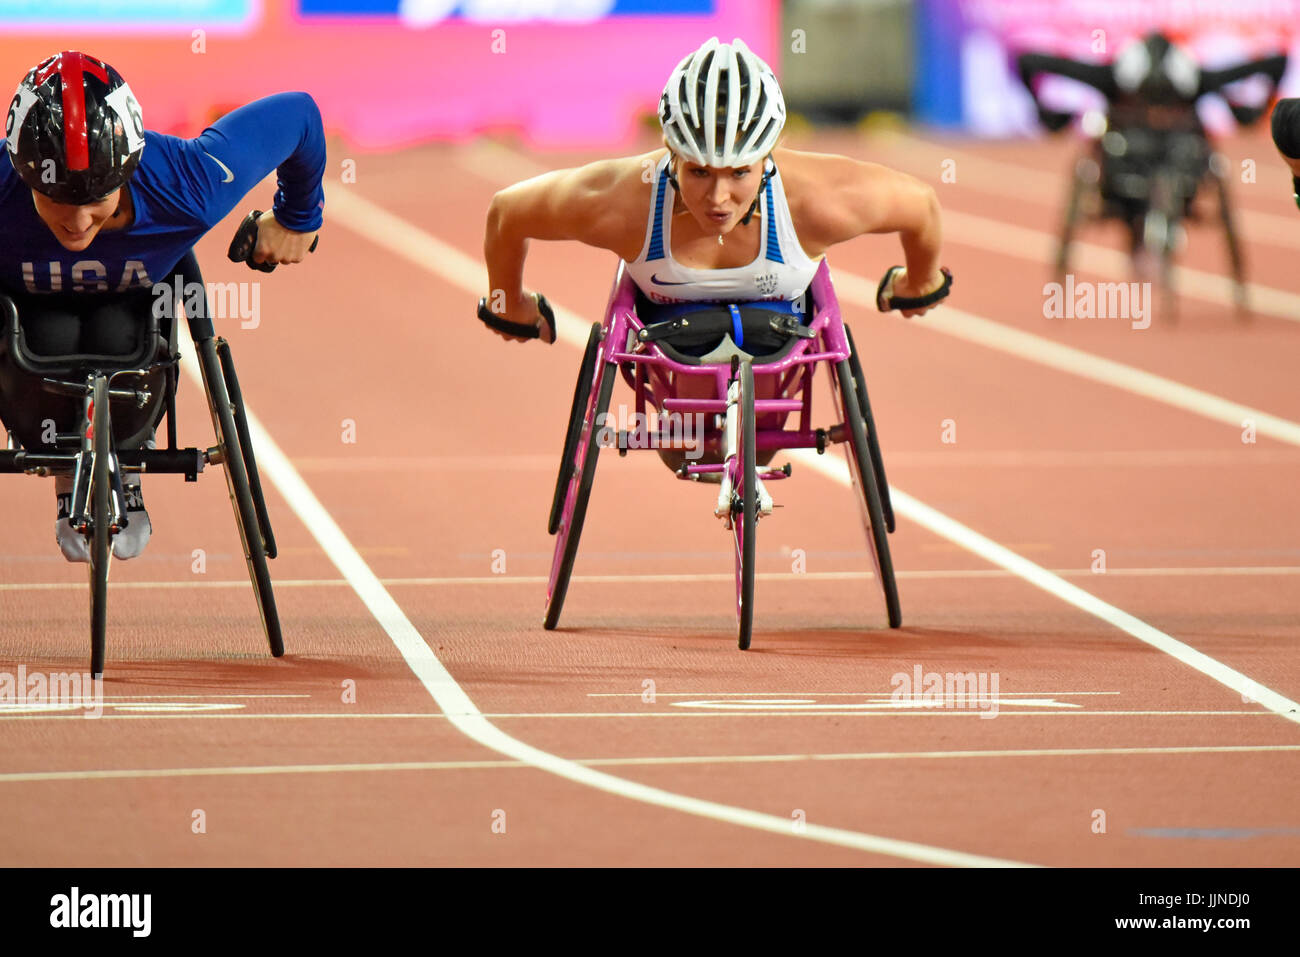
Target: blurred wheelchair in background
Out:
[1149,156]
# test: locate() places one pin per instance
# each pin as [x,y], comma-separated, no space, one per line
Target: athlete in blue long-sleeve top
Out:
[94,209]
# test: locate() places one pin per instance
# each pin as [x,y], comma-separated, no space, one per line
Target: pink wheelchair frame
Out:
[733,439]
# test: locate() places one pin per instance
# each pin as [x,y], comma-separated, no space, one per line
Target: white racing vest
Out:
[782,270]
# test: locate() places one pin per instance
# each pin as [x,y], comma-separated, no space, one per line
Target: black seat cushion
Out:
[697,333]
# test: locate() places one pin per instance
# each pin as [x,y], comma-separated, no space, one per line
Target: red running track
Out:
[338,754]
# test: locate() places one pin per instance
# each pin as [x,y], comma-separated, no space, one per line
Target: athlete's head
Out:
[722,113]
[1157,70]
[75,136]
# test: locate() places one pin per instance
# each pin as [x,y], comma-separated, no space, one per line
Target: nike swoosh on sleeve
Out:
[230,177]
[659,282]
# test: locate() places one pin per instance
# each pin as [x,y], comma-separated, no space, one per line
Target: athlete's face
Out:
[75,226]
[718,198]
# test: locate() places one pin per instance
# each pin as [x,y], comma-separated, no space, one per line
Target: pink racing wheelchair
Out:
[733,443]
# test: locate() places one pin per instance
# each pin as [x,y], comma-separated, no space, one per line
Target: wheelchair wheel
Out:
[1159,227]
[867,493]
[873,440]
[1086,173]
[582,468]
[101,497]
[241,495]
[744,507]
[246,446]
[581,395]
[1235,259]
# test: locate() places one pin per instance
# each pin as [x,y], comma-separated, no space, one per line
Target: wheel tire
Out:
[1073,204]
[1240,293]
[864,481]
[577,493]
[744,513]
[246,446]
[101,498]
[873,440]
[1162,219]
[581,395]
[241,495]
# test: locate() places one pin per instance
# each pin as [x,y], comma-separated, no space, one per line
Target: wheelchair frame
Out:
[91,457]
[1164,213]
[621,344]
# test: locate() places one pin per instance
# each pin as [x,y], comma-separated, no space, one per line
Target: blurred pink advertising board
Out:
[387,73]
[965,50]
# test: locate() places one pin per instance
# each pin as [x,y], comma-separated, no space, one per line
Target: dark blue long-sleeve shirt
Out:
[180,190]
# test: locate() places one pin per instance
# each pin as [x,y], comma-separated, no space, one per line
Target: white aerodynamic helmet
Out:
[722,106]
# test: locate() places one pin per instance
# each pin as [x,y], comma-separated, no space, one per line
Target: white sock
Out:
[130,541]
[74,546]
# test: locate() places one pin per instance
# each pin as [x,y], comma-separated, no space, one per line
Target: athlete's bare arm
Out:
[602,204]
[834,199]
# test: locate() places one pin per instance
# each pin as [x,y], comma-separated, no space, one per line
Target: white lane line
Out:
[950,458]
[1040,577]
[26,777]
[1085,365]
[391,232]
[413,464]
[819,694]
[454,267]
[1040,247]
[63,715]
[1001,178]
[407,241]
[168,697]
[23,777]
[1020,459]
[710,577]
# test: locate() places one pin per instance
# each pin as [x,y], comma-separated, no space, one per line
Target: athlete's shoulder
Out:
[830,196]
[172,177]
[605,189]
[624,175]
[163,151]
[806,172]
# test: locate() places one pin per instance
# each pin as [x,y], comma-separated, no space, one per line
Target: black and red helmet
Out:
[74,129]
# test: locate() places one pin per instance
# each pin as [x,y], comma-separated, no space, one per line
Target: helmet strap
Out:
[762,184]
[673,179]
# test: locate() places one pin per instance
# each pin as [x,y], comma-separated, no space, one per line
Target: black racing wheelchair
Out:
[94,414]
[1147,162]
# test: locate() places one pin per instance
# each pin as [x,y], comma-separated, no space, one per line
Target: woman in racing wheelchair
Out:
[94,210]
[720,216]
